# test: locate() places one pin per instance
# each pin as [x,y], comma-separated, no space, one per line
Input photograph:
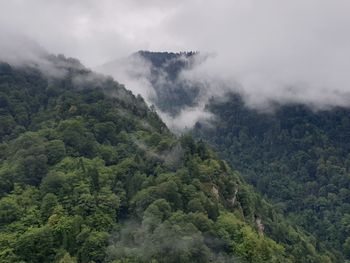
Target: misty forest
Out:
[219,145]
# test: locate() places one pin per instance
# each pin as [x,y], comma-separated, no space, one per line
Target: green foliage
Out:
[36,245]
[9,210]
[296,157]
[172,93]
[56,150]
[89,174]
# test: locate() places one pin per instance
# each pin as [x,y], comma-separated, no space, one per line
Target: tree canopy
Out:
[88,173]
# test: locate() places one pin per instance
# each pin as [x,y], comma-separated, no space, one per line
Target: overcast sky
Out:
[262,44]
[99,30]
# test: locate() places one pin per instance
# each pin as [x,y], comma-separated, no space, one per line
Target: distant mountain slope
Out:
[170,93]
[295,156]
[88,173]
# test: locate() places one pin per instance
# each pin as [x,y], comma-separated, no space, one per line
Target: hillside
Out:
[162,72]
[297,157]
[294,155]
[88,173]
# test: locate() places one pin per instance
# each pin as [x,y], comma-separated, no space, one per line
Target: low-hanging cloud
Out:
[286,51]
[158,87]
[290,51]
[134,72]
[187,117]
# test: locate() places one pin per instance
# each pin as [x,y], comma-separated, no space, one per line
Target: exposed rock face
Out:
[233,199]
[215,191]
[260,226]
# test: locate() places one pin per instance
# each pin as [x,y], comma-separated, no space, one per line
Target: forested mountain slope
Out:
[88,173]
[297,157]
[173,93]
[162,70]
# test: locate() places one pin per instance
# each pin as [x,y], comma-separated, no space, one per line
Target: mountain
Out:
[295,156]
[89,173]
[162,71]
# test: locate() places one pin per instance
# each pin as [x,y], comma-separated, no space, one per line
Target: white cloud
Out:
[186,118]
[293,50]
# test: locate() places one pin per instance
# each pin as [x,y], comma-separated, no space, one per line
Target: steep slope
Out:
[172,92]
[88,173]
[295,156]
[161,70]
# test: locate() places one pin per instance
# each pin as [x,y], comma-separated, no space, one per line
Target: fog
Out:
[287,51]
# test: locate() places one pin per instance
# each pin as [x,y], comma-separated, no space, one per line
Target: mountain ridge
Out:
[82,158]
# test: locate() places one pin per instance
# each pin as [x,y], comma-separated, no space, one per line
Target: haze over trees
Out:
[158,75]
[236,150]
[90,174]
[295,155]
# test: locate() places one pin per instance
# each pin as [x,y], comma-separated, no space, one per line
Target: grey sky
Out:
[99,30]
[288,50]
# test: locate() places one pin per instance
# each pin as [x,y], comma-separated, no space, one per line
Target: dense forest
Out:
[88,173]
[170,93]
[295,156]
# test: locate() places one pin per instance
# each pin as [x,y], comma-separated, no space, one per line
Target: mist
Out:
[287,52]
[134,72]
